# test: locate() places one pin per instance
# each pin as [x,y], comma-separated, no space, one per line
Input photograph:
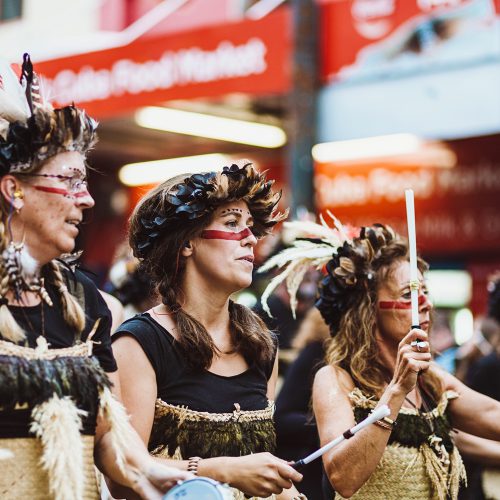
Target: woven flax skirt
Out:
[22,476]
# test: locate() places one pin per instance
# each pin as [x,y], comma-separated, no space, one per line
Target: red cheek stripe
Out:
[213,234]
[52,190]
[63,192]
[398,304]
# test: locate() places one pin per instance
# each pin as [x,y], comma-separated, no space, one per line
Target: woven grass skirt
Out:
[22,476]
[401,474]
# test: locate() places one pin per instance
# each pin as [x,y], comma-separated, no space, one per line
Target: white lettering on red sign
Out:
[180,68]
[364,10]
[383,184]
[428,5]
[372,18]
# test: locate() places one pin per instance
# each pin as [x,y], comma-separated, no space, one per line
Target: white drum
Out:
[200,488]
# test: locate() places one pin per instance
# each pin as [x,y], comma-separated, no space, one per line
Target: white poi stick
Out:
[377,414]
[412,243]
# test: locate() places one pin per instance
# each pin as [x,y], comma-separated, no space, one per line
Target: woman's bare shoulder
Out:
[333,378]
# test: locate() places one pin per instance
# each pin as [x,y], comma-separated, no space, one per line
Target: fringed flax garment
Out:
[180,433]
[49,402]
[420,461]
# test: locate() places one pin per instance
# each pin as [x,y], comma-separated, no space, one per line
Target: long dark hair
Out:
[166,266]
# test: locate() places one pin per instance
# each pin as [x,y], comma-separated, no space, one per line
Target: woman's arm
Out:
[116,308]
[472,412]
[480,450]
[350,464]
[141,476]
[259,475]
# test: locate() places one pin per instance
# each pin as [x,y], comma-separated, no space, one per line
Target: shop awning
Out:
[252,57]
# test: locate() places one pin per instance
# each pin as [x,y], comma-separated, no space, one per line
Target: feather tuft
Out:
[303,254]
[57,423]
[119,428]
[13,104]
[28,264]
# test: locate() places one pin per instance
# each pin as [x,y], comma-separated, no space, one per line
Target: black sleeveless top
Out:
[33,381]
[199,413]
[199,390]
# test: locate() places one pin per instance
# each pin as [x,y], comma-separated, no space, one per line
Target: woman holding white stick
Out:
[375,357]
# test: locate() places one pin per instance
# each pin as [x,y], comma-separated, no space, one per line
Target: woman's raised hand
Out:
[413,357]
[261,474]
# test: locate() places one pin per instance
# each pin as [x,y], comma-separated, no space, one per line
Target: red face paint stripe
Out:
[397,304]
[52,190]
[213,234]
[62,192]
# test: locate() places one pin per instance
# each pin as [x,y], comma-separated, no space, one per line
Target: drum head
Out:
[200,488]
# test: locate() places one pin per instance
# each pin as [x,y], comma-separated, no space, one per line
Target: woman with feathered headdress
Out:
[56,365]
[376,357]
[198,370]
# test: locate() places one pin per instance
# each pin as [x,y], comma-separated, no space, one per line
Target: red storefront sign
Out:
[245,57]
[457,209]
[371,33]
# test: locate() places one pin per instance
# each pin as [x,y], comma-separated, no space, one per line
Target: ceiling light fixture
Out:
[154,172]
[369,147]
[397,149]
[211,127]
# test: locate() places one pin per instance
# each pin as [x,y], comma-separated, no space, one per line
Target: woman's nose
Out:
[84,199]
[424,303]
[249,239]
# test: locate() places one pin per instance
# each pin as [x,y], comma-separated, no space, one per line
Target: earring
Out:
[17,200]
[23,273]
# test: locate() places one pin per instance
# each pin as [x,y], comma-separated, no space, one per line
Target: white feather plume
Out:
[28,264]
[13,103]
[57,423]
[302,255]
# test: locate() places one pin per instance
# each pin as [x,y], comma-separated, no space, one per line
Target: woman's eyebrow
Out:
[229,212]
[235,212]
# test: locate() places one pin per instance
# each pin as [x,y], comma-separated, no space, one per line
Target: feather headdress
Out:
[313,246]
[350,258]
[31,130]
[194,199]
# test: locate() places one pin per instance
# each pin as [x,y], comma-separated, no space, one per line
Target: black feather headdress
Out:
[197,196]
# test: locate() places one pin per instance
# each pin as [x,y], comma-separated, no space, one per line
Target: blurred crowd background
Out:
[344,102]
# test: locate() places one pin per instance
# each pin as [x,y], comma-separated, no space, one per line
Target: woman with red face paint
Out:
[58,415]
[198,370]
[375,357]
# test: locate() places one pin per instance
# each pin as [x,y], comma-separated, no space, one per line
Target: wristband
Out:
[193,463]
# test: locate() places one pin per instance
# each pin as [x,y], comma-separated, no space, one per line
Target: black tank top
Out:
[199,390]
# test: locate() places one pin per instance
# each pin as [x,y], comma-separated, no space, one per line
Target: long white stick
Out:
[412,243]
[377,414]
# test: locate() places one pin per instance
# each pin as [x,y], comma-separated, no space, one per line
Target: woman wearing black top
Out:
[57,413]
[198,370]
